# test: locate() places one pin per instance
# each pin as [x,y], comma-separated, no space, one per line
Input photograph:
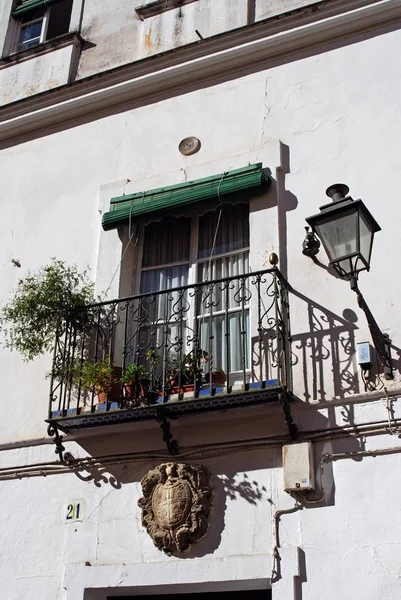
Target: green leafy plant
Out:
[188,370]
[134,374]
[152,357]
[41,302]
[139,384]
[97,376]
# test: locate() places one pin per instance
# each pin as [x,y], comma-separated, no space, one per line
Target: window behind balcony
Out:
[187,251]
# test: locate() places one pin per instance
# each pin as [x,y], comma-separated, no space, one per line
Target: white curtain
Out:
[165,314]
[224,313]
[224,307]
[220,315]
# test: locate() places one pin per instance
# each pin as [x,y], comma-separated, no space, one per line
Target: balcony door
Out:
[180,259]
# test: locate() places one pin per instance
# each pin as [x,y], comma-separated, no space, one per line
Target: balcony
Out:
[203,347]
[40,68]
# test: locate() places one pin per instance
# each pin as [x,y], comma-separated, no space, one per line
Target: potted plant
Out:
[219,377]
[135,379]
[42,302]
[187,373]
[99,377]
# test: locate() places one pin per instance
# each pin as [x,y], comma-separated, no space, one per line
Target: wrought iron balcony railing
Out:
[193,348]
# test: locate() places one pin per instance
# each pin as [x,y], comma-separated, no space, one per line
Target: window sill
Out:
[157,7]
[54,44]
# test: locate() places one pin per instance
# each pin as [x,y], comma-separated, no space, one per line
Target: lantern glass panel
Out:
[339,234]
[349,266]
[366,237]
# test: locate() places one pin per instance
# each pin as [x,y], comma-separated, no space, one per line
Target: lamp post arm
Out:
[380,340]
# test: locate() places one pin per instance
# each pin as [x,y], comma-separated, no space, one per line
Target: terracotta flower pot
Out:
[101,396]
[189,387]
[219,378]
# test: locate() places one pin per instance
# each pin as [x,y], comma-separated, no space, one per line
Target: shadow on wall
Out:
[325,352]
[286,202]
[248,473]
[324,355]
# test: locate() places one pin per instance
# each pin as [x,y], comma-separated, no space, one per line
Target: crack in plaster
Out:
[97,523]
[357,547]
[97,507]
[97,542]
[266,109]
[378,561]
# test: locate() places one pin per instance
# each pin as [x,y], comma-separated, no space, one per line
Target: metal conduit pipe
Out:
[307,434]
[208,452]
[347,428]
[393,392]
[298,506]
[276,572]
[360,453]
[26,443]
[204,451]
[341,456]
[43,469]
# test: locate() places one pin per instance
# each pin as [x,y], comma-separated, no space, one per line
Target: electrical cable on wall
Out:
[208,272]
[217,227]
[130,236]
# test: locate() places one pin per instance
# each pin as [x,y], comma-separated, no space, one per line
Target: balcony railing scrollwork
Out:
[192,348]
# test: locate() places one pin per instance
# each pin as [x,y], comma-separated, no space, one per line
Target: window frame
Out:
[20,25]
[193,263]
[16,25]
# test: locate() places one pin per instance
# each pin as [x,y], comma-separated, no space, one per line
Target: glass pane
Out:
[225,293]
[159,321]
[219,333]
[223,312]
[338,235]
[30,35]
[348,265]
[166,241]
[228,234]
[33,15]
[169,306]
[228,266]
[366,237]
[164,279]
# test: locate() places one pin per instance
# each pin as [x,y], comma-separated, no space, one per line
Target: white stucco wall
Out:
[124,38]
[37,74]
[324,117]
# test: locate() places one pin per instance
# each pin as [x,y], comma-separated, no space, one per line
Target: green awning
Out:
[124,208]
[24,6]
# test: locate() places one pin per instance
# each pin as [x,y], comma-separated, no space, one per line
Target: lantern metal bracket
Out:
[380,340]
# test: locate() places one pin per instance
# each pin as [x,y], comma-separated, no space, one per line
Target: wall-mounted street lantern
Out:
[346,229]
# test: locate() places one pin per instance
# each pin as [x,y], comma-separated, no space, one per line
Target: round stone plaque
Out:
[189,145]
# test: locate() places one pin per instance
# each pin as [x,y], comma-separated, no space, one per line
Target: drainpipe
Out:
[276,569]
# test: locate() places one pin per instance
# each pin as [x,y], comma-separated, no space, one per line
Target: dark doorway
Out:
[229,595]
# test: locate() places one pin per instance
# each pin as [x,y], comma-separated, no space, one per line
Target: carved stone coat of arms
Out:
[176,505]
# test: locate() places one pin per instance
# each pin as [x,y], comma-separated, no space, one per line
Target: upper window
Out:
[36,22]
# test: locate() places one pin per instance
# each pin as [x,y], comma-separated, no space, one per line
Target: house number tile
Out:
[73,511]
